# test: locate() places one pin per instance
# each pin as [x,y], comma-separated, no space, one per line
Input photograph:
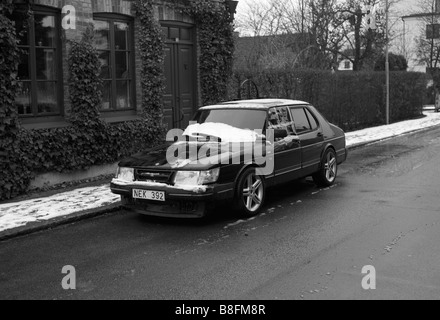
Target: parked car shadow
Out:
[224,212]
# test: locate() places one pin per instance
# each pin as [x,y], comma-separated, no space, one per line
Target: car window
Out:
[313,122]
[302,124]
[279,118]
[238,118]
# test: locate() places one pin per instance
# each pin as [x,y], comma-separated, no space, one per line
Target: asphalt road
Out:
[308,244]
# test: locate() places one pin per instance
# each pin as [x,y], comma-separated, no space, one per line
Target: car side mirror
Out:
[280,133]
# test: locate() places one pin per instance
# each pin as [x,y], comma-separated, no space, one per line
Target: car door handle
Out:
[319,134]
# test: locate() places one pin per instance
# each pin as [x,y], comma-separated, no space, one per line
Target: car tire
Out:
[250,193]
[326,176]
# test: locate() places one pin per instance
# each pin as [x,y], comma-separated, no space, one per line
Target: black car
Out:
[232,152]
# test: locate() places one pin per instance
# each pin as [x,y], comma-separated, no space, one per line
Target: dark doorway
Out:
[180,79]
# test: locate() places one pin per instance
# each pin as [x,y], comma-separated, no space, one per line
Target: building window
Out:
[433,31]
[39,70]
[347,65]
[113,40]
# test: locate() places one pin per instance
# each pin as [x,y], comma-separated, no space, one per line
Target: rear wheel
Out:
[326,176]
[251,193]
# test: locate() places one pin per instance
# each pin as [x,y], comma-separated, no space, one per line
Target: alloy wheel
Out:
[330,167]
[253,192]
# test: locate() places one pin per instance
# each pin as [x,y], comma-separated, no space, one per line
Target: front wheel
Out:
[326,175]
[250,194]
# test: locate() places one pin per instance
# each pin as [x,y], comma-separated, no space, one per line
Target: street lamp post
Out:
[371,25]
[387,66]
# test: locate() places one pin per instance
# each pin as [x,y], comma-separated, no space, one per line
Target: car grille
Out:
[153,176]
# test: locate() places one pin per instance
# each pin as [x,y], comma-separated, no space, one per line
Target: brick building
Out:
[44,102]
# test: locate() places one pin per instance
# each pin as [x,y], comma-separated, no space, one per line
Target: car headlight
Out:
[125,174]
[209,176]
[196,178]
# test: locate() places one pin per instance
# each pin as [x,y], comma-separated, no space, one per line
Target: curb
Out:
[34,227]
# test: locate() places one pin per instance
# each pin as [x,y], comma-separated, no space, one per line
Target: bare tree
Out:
[277,28]
[363,40]
[334,29]
[260,19]
[288,28]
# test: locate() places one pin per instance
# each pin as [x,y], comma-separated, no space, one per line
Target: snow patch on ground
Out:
[18,214]
[388,131]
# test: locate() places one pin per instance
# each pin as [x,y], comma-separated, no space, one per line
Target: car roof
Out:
[263,104]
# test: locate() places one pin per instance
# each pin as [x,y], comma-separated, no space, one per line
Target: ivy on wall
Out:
[216,41]
[151,47]
[85,83]
[12,167]
[88,140]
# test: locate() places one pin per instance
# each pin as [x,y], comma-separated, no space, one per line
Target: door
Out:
[312,139]
[179,97]
[287,149]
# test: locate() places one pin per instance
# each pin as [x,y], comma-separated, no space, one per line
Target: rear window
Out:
[300,119]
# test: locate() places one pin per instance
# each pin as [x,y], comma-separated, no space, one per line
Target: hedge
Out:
[351,100]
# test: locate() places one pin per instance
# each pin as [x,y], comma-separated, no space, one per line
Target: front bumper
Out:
[179,203]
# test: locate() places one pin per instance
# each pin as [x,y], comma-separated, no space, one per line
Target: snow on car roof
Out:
[254,104]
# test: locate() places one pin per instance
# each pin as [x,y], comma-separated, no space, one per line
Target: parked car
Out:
[239,149]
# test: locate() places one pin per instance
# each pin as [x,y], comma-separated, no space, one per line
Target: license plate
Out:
[149,195]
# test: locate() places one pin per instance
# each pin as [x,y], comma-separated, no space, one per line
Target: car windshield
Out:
[238,118]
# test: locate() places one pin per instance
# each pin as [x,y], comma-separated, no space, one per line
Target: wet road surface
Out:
[308,243]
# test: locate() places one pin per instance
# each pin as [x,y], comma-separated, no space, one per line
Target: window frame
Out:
[308,112]
[304,108]
[113,18]
[35,117]
[433,31]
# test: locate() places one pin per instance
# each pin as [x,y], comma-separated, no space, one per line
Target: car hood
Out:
[150,157]
[200,160]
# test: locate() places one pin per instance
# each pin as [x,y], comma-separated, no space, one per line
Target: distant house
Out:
[345,60]
[417,25]
[345,65]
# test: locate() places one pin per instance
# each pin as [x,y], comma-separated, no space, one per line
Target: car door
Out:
[287,149]
[311,136]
